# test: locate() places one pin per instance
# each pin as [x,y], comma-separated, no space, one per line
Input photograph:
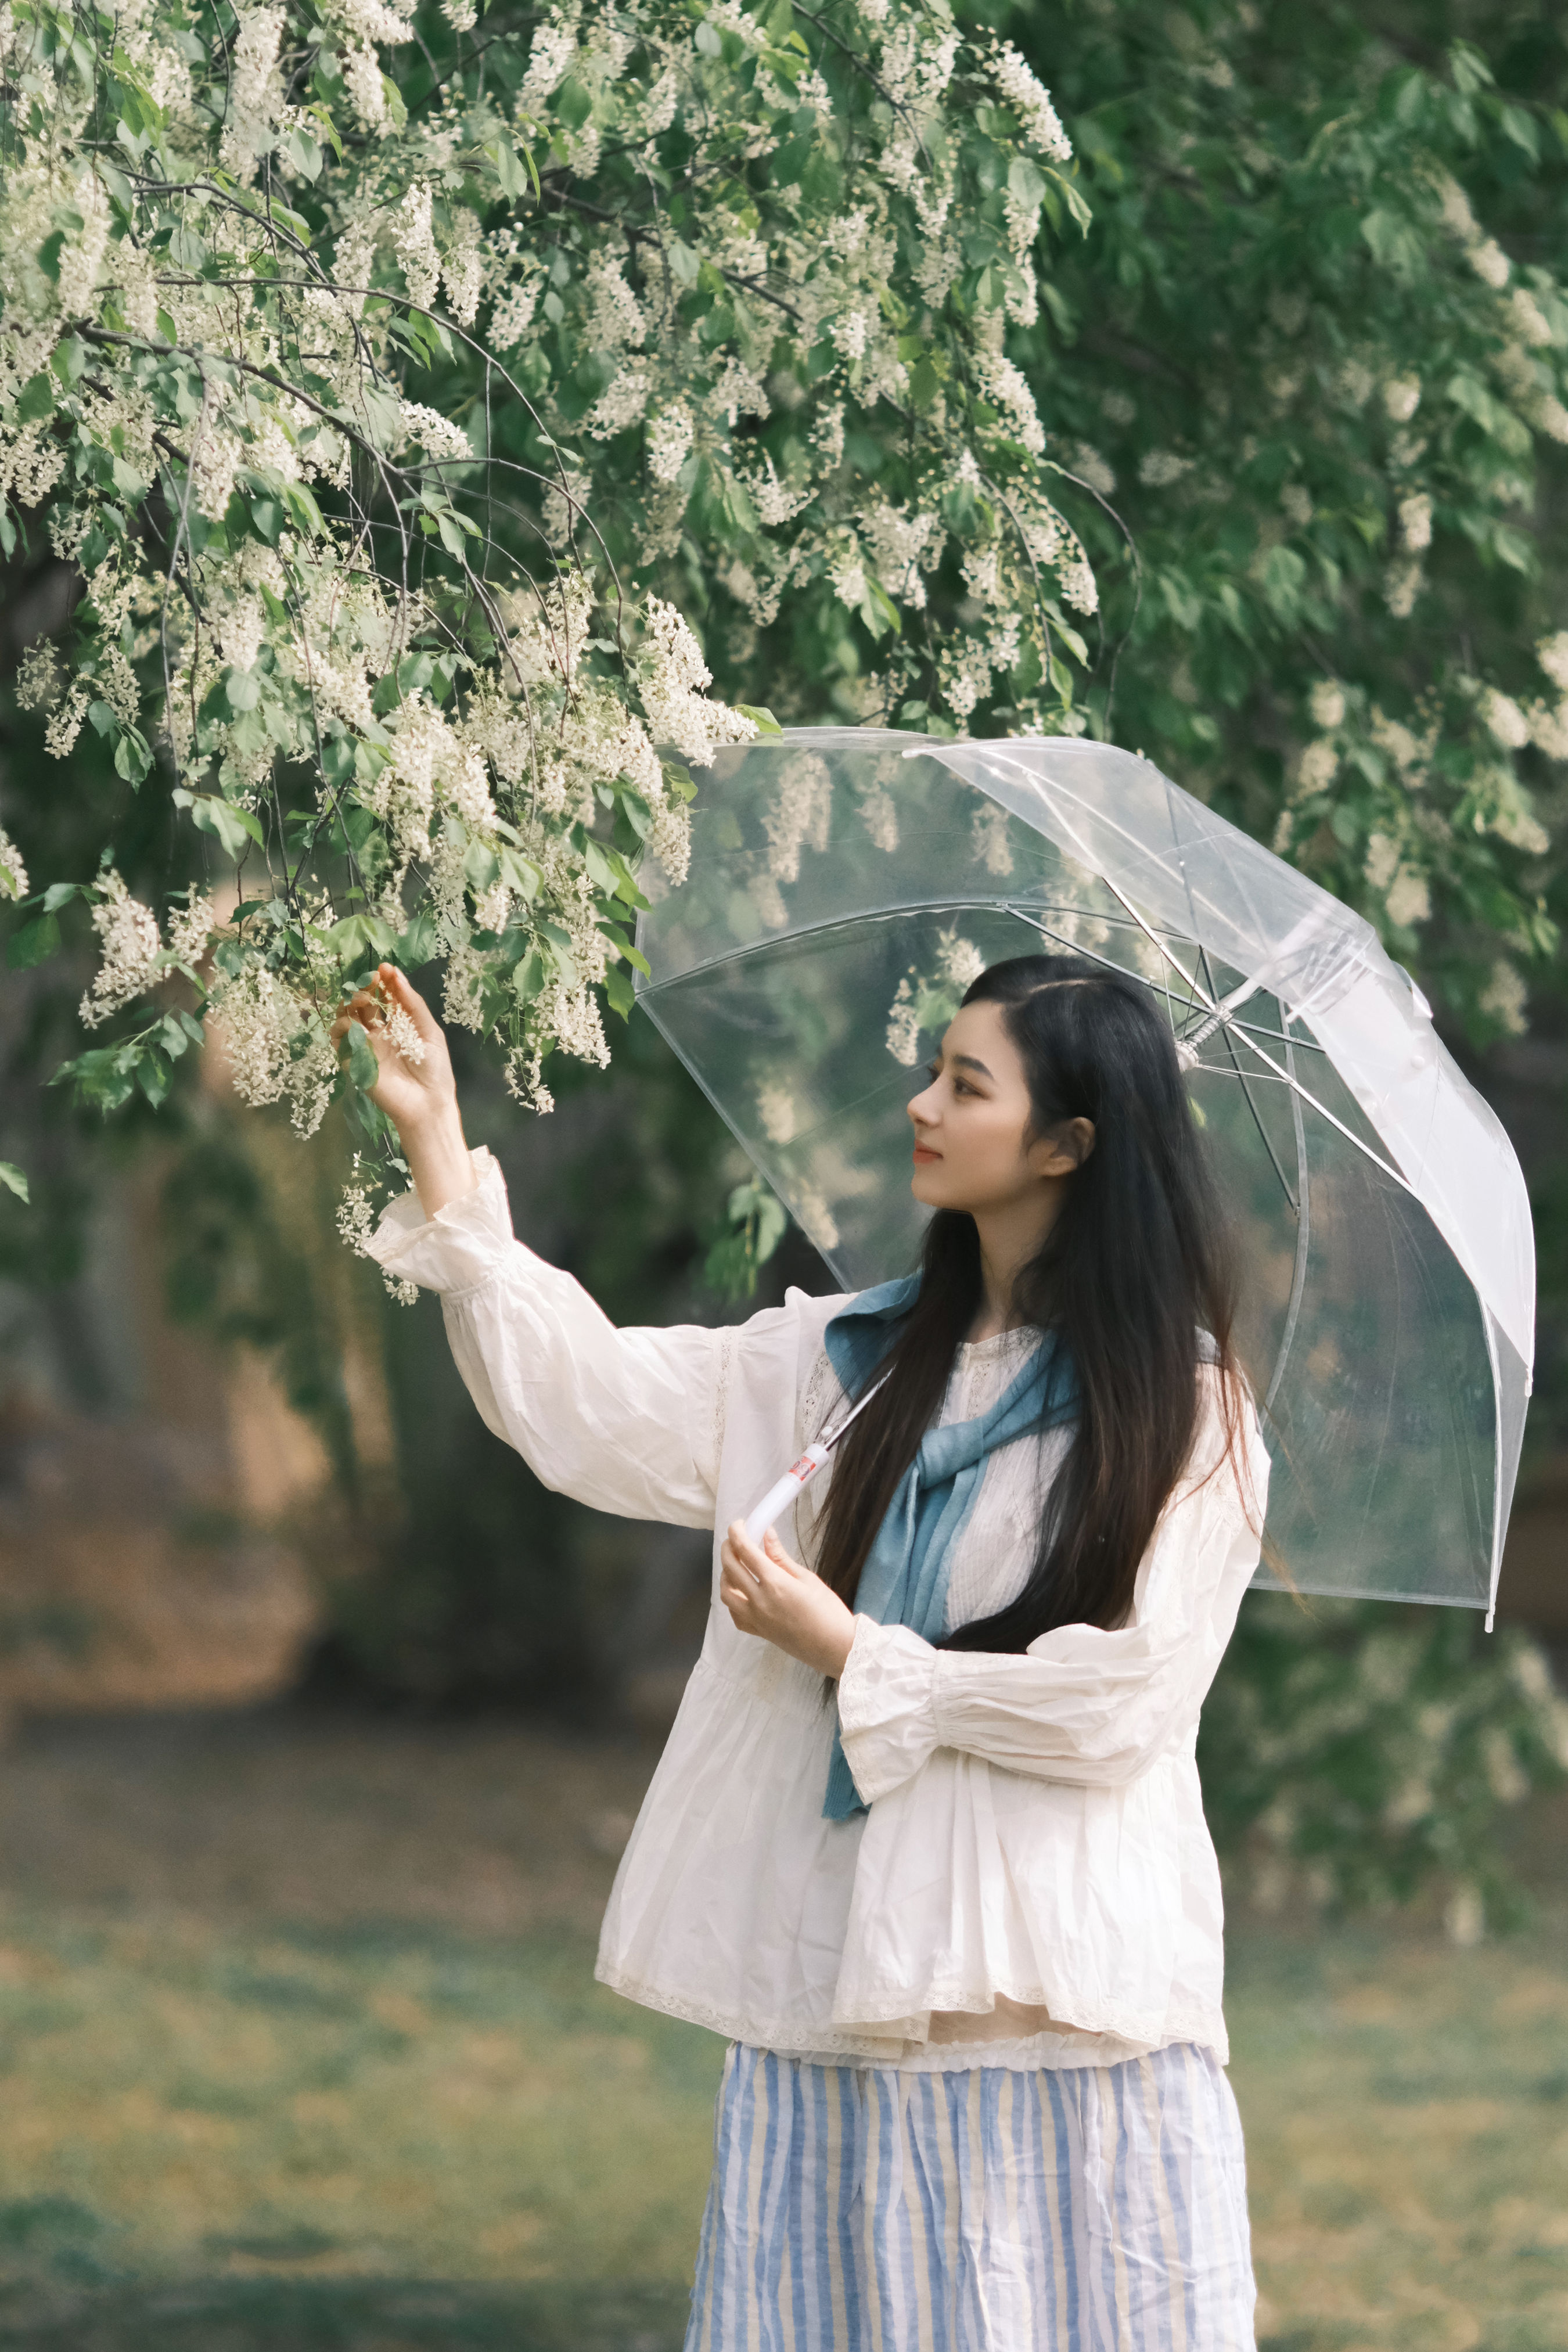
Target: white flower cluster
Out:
[672,416]
[13,873]
[356,1220]
[1042,126]
[276,1045]
[425,642]
[673,682]
[130,950]
[904,1025]
[256,92]
[443,442]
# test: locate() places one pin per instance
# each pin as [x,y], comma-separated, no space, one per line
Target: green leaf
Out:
[104,1078]
[761,718]
[32,943]
[599,866]
[36,399]
[624,948]
[573,102]
[363,1068]
[1025,182]
[14,1180]
[1393,241]
[155,1076]
[512,173]
[294,222]
[304,153]
[115,181]
[790,160]
[361,934]
[231,827]
[1072,196]
[521,874]
[302,508]
[619,992]
[482,866]
[266,516]
[132,755]
[418,943]
[528,977]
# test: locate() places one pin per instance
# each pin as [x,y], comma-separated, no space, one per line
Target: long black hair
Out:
[1137,1269]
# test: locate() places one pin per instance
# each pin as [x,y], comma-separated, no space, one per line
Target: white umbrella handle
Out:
[796,1479]
[785,1490]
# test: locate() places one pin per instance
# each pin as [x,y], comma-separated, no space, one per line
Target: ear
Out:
[1063,1152]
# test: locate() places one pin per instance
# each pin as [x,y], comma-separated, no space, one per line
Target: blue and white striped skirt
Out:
[864,2208]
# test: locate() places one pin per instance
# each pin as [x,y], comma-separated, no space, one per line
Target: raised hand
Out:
[415,1086]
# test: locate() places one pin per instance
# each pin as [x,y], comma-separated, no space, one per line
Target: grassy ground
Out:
[300,2048]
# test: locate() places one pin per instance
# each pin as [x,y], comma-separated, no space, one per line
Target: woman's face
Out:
[972,1147]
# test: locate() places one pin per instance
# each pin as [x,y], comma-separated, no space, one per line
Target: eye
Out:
[962,1087]
[933,1069]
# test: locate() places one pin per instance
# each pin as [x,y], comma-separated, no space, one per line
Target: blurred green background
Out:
[327,1722]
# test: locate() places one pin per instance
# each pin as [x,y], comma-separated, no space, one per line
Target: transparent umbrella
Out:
[845,884]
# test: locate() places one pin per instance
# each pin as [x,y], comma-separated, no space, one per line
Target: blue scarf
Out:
[905,1578]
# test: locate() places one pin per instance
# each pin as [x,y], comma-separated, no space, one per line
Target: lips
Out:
[923,1151]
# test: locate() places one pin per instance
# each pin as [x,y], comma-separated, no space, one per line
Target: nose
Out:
[921,1109]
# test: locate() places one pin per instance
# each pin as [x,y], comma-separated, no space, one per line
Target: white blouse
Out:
[1034,1882]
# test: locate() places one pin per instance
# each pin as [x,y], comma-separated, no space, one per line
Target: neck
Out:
[1009,1237]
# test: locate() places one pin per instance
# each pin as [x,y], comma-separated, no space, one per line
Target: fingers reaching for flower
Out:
[774,1597]
[415,1070]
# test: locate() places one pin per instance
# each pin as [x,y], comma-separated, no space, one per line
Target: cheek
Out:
[991,1147]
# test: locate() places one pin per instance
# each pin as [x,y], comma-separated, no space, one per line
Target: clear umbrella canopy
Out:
[846,884]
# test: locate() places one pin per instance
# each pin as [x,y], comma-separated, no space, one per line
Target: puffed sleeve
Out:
[1081,1703]
[624,1420]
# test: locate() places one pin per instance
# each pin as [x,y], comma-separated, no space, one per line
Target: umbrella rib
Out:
[1105,962]
[1246,1090]
[1303,1236]
[1301,1045]
[1321,1108]
[1160,949]
[947,906]
[1188,1004]
[1323,1112]
[1087,857]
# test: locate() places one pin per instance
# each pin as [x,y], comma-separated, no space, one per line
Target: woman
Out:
[927,1844]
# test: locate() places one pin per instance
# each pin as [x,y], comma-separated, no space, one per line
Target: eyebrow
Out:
[968,1062]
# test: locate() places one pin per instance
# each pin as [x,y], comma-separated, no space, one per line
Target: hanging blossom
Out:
[674,678]
[735,438]
[369,644]
[13,873]
[130,950]
[356,1223]
[277,1042]
[1042,125]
